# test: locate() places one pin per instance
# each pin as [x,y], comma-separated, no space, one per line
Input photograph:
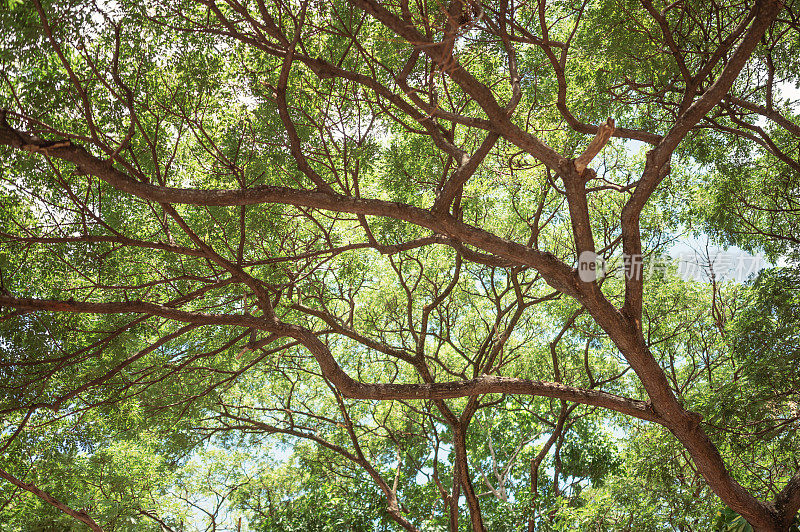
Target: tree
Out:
[368,226]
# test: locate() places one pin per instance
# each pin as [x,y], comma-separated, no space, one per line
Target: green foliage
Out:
[147,421]
[726,520]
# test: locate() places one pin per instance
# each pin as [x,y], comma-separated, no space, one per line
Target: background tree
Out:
[352,227]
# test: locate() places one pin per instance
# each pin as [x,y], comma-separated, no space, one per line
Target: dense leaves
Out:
[315,265]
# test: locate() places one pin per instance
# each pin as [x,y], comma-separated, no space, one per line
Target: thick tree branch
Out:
[482,95]
[131,307]
[79,515]
[657,165]
[604,133]
[447,390]
[555,272]
[348,386]
[464,171]
[787,503]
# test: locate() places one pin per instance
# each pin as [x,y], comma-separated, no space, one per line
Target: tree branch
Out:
[79,515]
[599,141]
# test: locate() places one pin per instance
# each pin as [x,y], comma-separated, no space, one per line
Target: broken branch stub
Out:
[602,137]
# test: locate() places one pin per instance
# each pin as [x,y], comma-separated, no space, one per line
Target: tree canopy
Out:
[402,265]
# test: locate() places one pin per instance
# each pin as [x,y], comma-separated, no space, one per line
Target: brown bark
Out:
[80,515]
[622,325]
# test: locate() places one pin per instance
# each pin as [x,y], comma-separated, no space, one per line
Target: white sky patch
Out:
[700,260]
